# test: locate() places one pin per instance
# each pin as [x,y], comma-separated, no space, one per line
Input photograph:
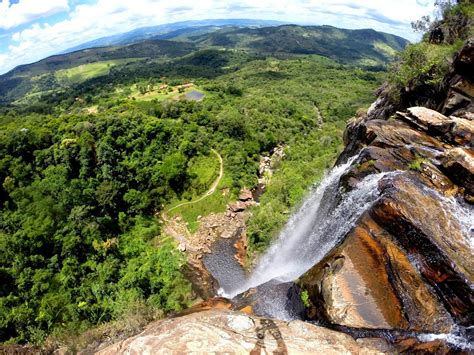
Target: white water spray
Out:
[320,223]
[457,337]
[460,213]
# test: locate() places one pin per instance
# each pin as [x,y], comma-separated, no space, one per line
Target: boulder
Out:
[462,132]
[221,331]
[238,206]
[427,120]
[455,130]
[458,163]
[245,195]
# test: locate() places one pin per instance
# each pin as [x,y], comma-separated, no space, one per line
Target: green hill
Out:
[363,48]
[41,76]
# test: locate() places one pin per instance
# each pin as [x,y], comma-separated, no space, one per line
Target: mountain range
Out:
[166,43]
[171,30]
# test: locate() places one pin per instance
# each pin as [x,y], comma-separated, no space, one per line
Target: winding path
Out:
[213,186]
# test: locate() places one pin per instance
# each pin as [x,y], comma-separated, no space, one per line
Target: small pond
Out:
[194,95]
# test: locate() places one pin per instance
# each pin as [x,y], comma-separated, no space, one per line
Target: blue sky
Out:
[33,29]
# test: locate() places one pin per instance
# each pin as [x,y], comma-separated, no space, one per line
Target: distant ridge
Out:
[165,30]
[186,44]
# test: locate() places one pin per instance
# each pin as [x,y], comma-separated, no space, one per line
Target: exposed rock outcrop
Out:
[407,264]
[458,163]
[227,332]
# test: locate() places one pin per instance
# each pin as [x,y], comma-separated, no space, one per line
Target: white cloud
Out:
[106,17]
[12,15]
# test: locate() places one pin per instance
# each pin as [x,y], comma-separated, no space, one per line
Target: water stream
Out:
[321,222]
[323,219]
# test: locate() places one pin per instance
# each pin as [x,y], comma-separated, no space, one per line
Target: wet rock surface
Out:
[458,163]
[407,263]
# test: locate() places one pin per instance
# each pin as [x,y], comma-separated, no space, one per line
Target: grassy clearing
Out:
[206,170]
[84,72]
[215,203]
[168,93]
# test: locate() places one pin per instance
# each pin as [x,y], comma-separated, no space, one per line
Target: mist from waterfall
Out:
[313,230]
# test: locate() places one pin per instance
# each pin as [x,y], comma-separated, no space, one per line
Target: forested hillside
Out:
[81,185]
[360,47]
[97,143]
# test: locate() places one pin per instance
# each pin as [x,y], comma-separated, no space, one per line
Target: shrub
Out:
[305,298]
[416,164]
[422,64]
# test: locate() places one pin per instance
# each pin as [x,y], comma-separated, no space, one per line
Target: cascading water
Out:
[459,338]
[459,212]
[320,223]
[324,218]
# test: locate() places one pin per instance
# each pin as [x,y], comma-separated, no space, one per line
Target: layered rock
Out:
[407,263]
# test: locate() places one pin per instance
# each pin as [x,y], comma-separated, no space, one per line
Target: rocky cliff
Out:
[237,333]
[408,261]
[219,331]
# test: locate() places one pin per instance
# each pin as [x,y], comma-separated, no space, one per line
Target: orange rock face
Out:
[408,262]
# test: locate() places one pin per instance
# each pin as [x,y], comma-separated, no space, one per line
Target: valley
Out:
[112,151]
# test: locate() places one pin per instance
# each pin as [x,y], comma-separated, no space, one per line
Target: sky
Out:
[34,29]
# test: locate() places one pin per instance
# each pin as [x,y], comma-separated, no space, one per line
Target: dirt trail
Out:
[213,186]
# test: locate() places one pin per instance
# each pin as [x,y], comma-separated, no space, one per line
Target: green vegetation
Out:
[77,229]
[199,200]
[305,298]
[40,78]
[416,164]
[203,171]
[149,92]
[423,66]
[357,47]
[215,203]
[84,172]
[57,74]
[83,72]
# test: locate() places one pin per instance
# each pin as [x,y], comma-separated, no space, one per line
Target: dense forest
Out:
[80,241]
[86,169]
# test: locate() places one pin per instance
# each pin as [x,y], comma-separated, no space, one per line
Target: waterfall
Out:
[459,213]
[458,337]
[317,226]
